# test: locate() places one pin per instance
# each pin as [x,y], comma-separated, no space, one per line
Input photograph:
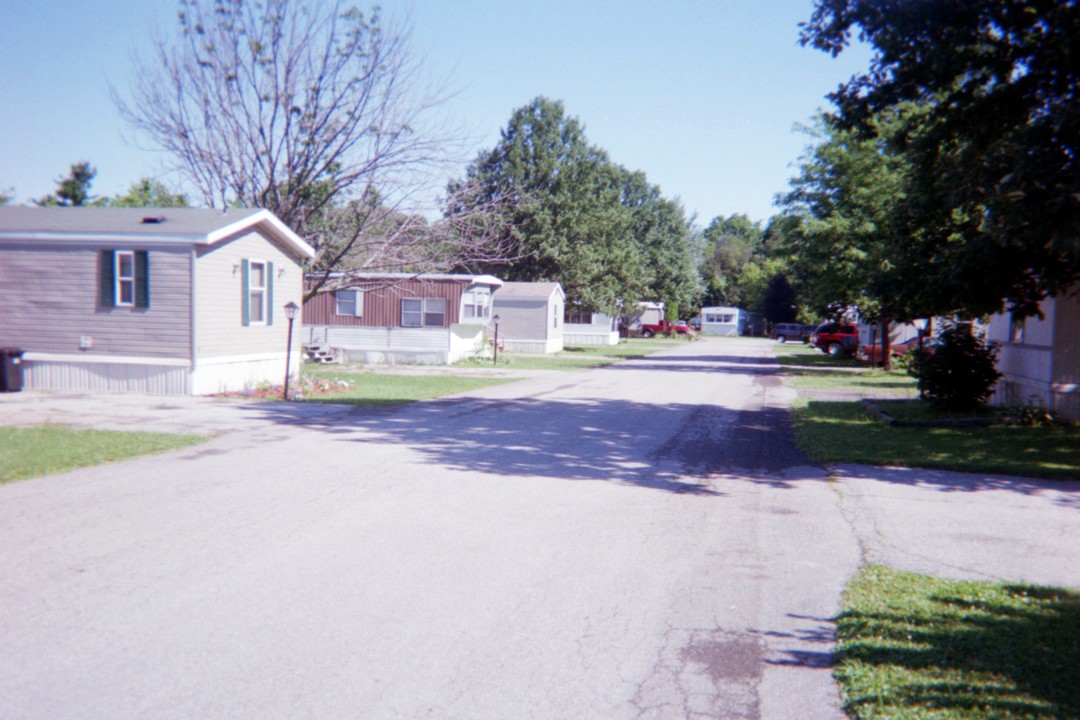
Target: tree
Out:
[73,190]
[566,222]
[730,244]
[149,193]
[308,109]
[995,154]
[778,304]
[854,245]
[661,230]
[6,196]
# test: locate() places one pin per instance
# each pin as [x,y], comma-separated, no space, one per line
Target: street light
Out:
[495,359]
[920,325]
[290,313]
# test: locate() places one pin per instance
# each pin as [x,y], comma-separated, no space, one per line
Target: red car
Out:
[836,338]
[872,353]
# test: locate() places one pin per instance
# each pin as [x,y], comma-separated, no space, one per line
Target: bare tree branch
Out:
[316,111]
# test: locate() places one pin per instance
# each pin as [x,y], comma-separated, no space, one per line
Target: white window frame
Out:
[257,291]
[341,305]
[124,281]
[476,303]
[420,311]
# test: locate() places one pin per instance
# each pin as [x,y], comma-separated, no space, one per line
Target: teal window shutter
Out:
[245,293]
[108,278]
[142,279]
[269,293]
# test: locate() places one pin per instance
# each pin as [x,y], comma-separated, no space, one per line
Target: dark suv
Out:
[782,332]
[836,338]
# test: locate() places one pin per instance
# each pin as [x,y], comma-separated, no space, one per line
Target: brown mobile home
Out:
[397,317]
[171,301]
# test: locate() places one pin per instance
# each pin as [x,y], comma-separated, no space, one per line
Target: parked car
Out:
[836,338]
[666,327]
[872,353]
[782,332]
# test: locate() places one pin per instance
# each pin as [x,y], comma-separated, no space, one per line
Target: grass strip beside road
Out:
[27,452]
[917,647]
[579,358]
[363,387]
[843,432]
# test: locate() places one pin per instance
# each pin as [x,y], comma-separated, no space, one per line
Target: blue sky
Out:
[701,95]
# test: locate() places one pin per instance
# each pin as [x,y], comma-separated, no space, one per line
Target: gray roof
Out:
[529,289]
[198,226]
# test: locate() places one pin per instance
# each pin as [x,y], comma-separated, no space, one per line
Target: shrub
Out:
[960,373]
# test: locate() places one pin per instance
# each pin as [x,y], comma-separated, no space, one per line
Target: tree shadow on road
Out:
[677,448]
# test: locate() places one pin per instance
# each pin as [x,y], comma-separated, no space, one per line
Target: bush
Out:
[960,373]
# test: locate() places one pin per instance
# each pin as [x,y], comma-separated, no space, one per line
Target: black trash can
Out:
[11,370]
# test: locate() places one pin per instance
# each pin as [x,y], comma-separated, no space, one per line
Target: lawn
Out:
[914,647]
[843,432]
[355,385]
[579,358]
[48,449]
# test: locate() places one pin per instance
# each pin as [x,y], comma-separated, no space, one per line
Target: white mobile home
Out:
[169,301]
[730,321]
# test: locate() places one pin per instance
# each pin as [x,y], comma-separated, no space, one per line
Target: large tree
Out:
[605,233]
[854,247]
[731,243]
[309,109]
[661,231]
[567,222]
[996,155]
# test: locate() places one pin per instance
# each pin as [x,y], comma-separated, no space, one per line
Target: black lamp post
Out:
[495,360]
[920,325]
[290,313]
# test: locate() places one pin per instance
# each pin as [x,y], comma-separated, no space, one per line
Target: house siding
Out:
[382,305]
[58,308]
[1043,366]
[219,328]
[601,331]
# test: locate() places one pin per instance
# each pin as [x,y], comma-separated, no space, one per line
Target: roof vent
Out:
[151,220]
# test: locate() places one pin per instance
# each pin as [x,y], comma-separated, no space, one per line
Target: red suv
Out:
[836,338]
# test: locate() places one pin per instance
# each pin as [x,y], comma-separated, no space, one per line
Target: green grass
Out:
[863,380]
[27,452]
[579,358]
[914,647]
[843,432]
[370,388]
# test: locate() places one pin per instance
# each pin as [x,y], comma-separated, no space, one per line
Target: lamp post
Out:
[495,358]
[290,313]
[920,325]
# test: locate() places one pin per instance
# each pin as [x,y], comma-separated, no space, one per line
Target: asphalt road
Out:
[641,541]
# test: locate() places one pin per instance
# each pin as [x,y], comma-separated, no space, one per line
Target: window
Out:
[1016,329]
[426,312]
[578,317]
[476,303]
[125,278]
[257,292]
[349,302]
[555,316]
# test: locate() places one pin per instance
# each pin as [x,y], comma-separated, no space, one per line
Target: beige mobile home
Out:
[1039,358]
[169,301]
[531,316]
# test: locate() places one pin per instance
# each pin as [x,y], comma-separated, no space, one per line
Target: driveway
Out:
[640,541]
